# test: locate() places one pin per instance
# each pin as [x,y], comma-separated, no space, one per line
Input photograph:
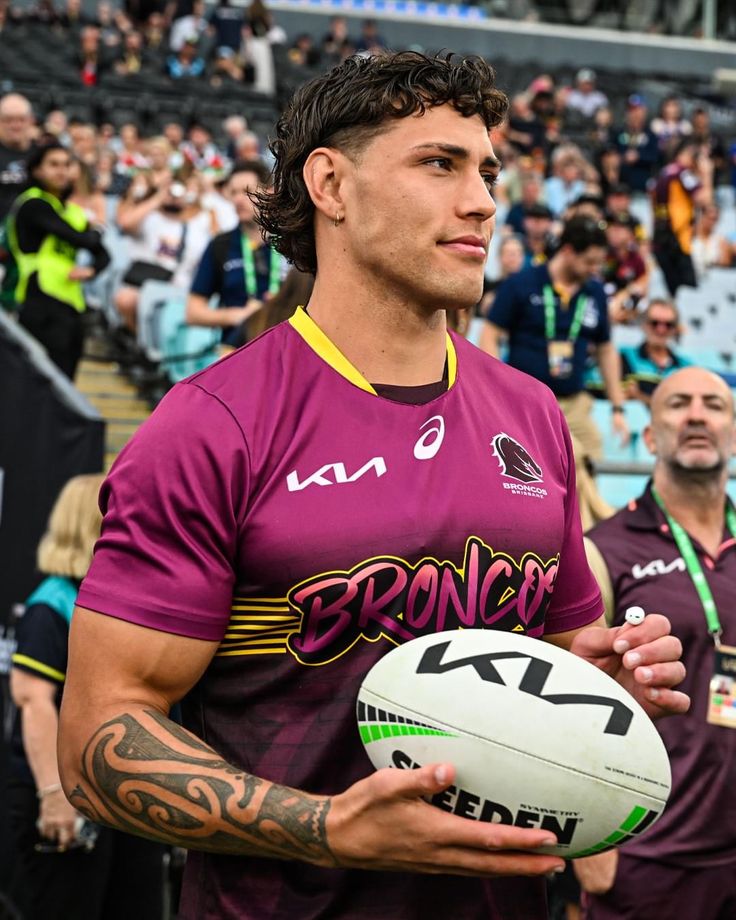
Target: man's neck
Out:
[696,502]
[560,275]
[657,352]
[251,231]
[387,340]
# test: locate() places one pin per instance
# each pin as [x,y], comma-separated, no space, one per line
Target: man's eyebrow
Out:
[459,152]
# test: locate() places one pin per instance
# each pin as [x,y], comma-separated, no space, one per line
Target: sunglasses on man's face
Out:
[669,324]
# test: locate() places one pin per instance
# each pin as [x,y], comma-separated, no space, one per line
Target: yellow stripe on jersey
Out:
[451,363]
[39,666]
[261,626]
[319,343]
[330,353]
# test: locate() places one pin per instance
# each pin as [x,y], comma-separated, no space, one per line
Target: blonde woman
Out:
[70,869]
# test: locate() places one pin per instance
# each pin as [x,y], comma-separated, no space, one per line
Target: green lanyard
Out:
[550,322]
[693,566]
[249,269]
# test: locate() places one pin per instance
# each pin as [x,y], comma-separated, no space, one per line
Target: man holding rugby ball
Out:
[351,479]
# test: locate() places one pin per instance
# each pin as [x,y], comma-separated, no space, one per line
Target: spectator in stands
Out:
[673,548]
[110,182]
[70,868]
[531,194]
[16,132]
[110,32]
[538,234]
[669,126]
[174,134]
[227,23]
[237,266]
[91,58]
[73,19]
[55,124]
[602,135]
[45,231]
[85,194]
[233,127]
[638,146]
[154,32]
[370,40]
[248,147]
[585,98]
[709,249]
[200,150]
[710,143]
[510,261]
[83,140]
[187,61]
[336,40]
[625,274]
[170,231]
[128,147]
[303,51]
[566,182]
[133,57]
[645,365]
[683,185]
[257,49]
[525,131]
[193,25]
[158,157]
[226,69]
[550,314]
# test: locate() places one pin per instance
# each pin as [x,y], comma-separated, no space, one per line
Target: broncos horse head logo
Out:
[515,460]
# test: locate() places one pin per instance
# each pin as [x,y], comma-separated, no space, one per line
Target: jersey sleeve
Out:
[173,508]
[42,644]
[576,600]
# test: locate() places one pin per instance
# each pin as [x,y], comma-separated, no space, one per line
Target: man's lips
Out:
[469,245]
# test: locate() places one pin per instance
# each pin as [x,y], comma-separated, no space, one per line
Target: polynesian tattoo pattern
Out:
[148,776]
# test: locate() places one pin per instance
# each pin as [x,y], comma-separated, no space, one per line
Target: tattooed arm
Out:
[124,763]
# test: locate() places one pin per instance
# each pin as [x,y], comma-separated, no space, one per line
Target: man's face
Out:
[619,236]
[661,324]
[15,123]
[582,266]
[692,427]
[54,171]
[419,209]
[636,117]
[238,191]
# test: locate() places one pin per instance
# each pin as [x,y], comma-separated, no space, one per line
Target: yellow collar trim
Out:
[331,354]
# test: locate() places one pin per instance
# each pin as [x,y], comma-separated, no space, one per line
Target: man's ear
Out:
[324,175]
[648,436]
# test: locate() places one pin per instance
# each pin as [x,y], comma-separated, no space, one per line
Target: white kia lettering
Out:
[339,475]
[658,567]
[430,442]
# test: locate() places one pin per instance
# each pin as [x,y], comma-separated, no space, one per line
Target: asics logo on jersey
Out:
[430,442]
[334,474]
[515,460]
[658,567]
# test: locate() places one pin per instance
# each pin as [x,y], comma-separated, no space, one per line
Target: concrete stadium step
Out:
[117,401]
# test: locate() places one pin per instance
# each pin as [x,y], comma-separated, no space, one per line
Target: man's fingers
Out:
[428,780]
[654,626]
[666,649]
[471,862]
[671,702]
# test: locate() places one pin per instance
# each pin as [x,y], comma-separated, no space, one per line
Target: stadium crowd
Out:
[628,204]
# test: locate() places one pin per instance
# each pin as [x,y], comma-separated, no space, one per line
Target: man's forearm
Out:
[609,363]
[142,773]
[40,723]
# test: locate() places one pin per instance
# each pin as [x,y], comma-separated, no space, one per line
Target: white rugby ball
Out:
[539,737]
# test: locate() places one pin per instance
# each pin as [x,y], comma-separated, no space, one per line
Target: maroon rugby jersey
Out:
[275,503]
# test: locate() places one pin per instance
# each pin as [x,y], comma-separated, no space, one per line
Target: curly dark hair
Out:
[347,107]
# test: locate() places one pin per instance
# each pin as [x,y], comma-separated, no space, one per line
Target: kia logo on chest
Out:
[335,474]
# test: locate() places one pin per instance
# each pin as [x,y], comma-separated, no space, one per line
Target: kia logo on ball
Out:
[532,682]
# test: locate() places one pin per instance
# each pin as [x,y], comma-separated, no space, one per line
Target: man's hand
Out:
[644,659]
[384,822]
[81,273]
[621,427]
[56,819]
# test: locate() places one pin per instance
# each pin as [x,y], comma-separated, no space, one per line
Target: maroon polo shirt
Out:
[698,827]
